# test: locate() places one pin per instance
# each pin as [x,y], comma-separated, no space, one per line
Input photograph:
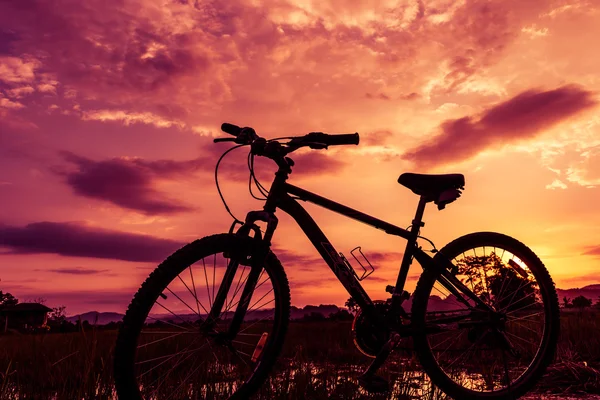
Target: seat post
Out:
[417,222]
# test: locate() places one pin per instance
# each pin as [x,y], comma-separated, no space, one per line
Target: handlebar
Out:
[277,151]
[313,138]
[331,139]
[231,129]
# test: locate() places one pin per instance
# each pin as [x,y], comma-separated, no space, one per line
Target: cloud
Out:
[585,170]
[299,261]
[77,240]
[521,117]
[77,271]
[592,251]
[315,163]
[128,182]
[376,138]
[14,70]
[556,184]
[193,62]
[129,118]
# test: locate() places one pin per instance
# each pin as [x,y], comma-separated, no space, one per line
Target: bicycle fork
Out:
[258,255]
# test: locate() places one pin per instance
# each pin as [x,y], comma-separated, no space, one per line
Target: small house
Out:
[23,316]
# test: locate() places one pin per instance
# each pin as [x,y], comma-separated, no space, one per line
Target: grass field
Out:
[314,366]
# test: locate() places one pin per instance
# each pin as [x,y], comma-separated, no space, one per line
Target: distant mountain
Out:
[436,303]
[592,292]
[97,318]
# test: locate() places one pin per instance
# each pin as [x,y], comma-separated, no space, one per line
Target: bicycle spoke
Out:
[258,286]
[170,323]
[185,380]
[525,326]
[194,285]
[179,298]
[524,317]
[171,364]
[214,273]
[237,289]
[171,369]
[194,295]
[514,292]
[168,357]
[160,305]
[207,289]
[160,340]
[517,302]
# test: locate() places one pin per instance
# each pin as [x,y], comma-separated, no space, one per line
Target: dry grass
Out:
[79,365]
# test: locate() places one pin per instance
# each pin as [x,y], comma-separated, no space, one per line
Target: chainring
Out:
[369,338]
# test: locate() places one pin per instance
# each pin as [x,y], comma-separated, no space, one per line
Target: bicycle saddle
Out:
[441,189]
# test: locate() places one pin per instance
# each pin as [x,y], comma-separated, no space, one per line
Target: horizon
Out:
[107,115]
[342,306]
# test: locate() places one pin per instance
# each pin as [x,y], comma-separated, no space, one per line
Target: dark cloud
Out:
[380,96]
[78,271]
[521,117]
[128,183]
[78,37]
[76,240]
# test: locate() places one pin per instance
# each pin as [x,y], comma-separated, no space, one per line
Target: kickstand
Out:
[368,379]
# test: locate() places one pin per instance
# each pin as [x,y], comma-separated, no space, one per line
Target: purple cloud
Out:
[128,183]
[77,271]
[521,117]
[76,240]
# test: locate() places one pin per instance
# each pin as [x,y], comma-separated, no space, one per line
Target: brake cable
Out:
[252,178]
[217,182]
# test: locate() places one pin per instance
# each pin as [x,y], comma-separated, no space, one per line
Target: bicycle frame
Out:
[332,257]
[280,196]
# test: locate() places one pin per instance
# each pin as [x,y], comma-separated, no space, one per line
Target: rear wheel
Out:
[168,348]
[470,352]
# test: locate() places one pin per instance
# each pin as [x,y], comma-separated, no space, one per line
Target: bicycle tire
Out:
[133,321]
[547,349]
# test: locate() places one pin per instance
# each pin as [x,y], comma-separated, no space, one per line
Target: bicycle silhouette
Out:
[484,319]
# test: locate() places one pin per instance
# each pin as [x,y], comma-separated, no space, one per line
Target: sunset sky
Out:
[108,110]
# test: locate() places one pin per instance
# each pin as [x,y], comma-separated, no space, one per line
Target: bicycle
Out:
[502,303]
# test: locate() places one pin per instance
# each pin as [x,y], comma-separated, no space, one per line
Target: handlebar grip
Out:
[231,129]
[334,140]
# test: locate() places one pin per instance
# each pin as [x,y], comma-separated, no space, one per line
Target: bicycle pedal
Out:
[373,383]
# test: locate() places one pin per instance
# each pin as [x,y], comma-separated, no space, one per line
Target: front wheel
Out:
[496,348]
[171,346]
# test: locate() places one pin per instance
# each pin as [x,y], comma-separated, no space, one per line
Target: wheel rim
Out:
[474,353]
[177,357]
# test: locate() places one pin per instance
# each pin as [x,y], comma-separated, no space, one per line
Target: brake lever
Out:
[217,140]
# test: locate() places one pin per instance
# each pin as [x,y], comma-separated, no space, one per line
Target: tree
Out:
[507,287]
[581,302]
[567,303]
[58,315]
[351,305]
[341,315]
[39,300]
[7,299]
